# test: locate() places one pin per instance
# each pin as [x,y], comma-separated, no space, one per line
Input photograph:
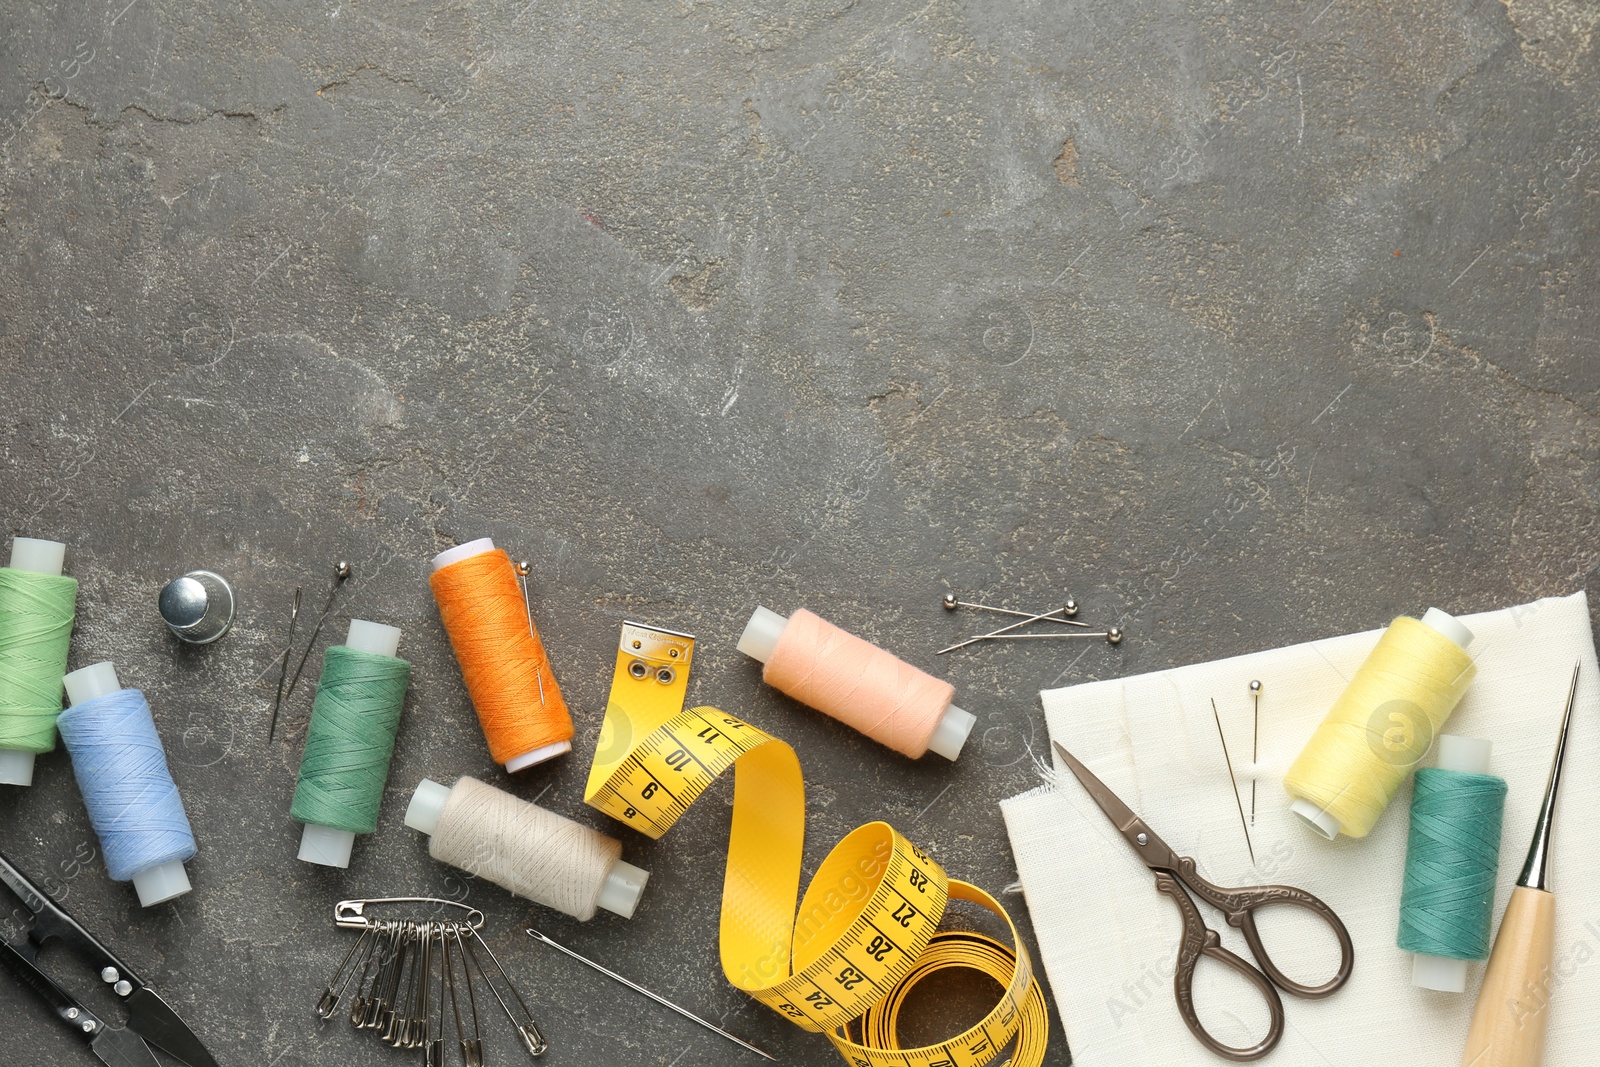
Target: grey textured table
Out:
[1245,323]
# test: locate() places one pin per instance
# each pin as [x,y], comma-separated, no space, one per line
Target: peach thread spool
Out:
[857,682]
[503,662]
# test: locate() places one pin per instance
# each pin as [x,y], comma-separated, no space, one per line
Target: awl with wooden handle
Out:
[1508,1024]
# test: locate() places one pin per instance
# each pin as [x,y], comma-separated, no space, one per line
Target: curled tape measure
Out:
[867,930]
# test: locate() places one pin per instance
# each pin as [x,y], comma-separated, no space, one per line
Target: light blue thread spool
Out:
[122,772]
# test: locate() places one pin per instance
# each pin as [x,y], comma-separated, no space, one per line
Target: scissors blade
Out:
[1152,850]
[157,1023]
[122,1048]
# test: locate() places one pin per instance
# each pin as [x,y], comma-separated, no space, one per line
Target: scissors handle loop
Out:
[1200,940]
[1240,906]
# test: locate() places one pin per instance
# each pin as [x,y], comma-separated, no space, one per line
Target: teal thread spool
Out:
[1452,858]
[349,743]
[36,606]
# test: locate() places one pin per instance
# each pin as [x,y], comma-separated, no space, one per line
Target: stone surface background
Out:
[1244,323]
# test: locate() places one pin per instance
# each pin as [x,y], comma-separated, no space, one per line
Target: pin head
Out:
[950,602]
[1070,608]
[1255,686]
[1114,635]
[341,570]
[524,568]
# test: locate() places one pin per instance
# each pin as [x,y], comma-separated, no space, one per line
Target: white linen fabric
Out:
[1108,940]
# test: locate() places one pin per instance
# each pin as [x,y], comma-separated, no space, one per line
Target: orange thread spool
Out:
[503,662]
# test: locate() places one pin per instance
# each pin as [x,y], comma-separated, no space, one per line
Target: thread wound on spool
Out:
[35,630]
[858,683]
[503,662]
[1381,726]
[350,740]
[519,846]
[1452,860]
[122,772]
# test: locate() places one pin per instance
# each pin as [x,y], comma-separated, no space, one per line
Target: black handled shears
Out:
[150,1019]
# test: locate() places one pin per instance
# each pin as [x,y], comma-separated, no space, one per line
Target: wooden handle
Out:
[1508,1025]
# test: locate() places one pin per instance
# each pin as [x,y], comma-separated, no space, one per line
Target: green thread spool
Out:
[349,743]
[1452,859]
[36,607]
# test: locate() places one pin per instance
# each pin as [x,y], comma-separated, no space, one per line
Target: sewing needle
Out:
[341,571]
[1239,803]
[283,670]
[1255,746]
[663,1001]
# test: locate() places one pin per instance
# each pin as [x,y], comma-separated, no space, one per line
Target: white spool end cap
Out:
[623,887]
[955,726]
[157,885]
[373,637]
[1447,624]
[1469,755]
[538,755]
[461,552]
[1439,972]
[16,767]
[427,804]
[41,557]
[326,845]
[95,680]
[1319,820]
[761,635]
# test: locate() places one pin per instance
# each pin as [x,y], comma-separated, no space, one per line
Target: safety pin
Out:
[331,996]
[471,1048]
[351,914]
[529,1032]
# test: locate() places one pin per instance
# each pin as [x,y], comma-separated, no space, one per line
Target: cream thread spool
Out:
[871,690]
[1411,682]
[521,847]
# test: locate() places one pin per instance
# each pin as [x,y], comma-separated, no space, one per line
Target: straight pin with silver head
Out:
[341,571]
[1045,616]
[524,568]
[1113,635]
[951,603]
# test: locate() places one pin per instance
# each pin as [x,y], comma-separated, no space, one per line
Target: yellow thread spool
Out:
[1382,725]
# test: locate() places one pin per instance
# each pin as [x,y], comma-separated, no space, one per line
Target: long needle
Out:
[283,670]
[1255,746]
[663,1001]
[1229,761]
[341,571]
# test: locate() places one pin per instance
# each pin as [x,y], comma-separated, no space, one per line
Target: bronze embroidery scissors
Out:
[1238,905]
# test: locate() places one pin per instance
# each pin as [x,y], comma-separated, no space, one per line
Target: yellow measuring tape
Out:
[867,930]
